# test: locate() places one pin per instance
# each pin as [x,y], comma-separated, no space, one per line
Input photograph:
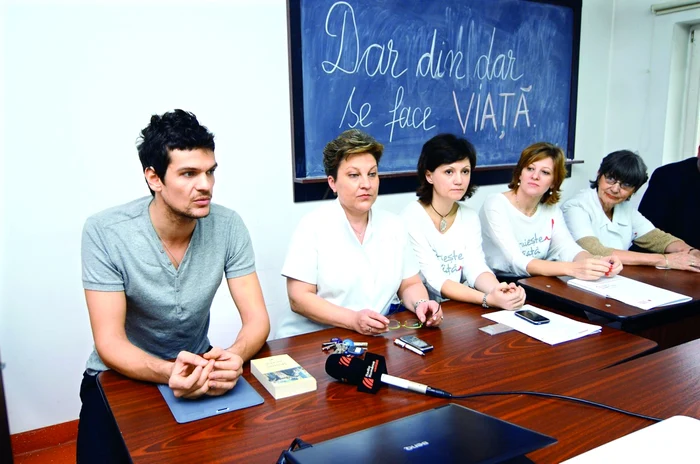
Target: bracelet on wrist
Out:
[417,303]
[666,259]
[483,301]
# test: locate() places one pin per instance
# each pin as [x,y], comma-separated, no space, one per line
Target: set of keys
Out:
[345,347]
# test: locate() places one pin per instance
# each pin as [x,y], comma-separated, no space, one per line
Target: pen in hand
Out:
[408,347]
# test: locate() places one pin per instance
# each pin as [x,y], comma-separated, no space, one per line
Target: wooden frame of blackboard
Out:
[311,188]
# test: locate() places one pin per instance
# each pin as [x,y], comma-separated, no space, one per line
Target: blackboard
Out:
[501,73]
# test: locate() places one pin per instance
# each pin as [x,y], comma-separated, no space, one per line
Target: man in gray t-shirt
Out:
[151,269]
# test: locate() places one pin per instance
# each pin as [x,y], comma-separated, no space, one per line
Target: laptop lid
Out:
[242,395]
[450,433]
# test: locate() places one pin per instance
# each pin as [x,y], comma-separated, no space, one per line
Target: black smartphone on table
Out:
[531,317]
[416,342]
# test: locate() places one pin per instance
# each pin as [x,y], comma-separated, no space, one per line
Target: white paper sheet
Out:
[630,291]
[559,329]
[673,440]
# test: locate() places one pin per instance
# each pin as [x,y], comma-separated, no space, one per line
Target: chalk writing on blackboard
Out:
[497,72]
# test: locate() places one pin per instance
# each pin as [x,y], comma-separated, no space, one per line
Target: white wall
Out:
[647,78]
[3,150]
[81,81]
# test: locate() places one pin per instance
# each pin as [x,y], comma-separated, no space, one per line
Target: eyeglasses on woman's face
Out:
[610,180]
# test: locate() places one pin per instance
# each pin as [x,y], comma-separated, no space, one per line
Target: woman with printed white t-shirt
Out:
[524,231]
[446,235]
[347,261]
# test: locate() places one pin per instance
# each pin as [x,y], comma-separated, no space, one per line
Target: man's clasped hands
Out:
[213,373]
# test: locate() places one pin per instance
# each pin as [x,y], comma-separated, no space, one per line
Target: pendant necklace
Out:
[443,220]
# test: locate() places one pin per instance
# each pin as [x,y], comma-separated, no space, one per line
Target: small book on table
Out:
[282,376]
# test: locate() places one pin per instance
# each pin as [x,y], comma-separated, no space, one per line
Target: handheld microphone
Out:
[414,386]
[370,373]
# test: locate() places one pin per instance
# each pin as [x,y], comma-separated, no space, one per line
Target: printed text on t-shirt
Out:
[531,246]
[450,262]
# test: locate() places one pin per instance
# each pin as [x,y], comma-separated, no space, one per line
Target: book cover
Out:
[282,376]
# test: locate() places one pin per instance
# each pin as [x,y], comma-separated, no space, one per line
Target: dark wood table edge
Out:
[641,313]
[281,344]
[109,409]
[642,320]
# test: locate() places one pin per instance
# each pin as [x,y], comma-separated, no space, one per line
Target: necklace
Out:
[170,253]
[443,220]
[359,234]
[525,212]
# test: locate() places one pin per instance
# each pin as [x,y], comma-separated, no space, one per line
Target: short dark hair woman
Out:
[602,220]
[446,234]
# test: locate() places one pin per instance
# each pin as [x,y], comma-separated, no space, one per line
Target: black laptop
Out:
[447,434]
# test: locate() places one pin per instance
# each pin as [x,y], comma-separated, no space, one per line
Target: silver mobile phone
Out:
[416,342]
[531,317]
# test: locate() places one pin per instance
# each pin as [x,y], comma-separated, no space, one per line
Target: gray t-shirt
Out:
[167,309]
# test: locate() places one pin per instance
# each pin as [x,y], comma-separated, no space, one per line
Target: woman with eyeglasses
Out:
[348,260]
[602,220]
[524,231]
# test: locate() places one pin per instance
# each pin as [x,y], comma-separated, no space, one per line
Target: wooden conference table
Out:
[662,384]
[465,360]
[666,325]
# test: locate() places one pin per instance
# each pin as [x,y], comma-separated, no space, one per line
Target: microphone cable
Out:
[558,397]
[352,370]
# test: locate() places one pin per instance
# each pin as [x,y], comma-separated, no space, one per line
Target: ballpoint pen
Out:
[408,347]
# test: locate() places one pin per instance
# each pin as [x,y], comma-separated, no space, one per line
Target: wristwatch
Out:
[483,301]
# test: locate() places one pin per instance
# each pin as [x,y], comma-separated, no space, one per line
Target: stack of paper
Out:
[559,329]
[672,440]
[631,292]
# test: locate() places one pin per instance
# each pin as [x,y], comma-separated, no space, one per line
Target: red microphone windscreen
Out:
[365,373]
[348,369]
